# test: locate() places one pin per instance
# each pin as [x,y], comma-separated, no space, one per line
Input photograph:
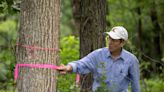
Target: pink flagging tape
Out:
[77,78]
[16,71]
[37,48]
[50,66]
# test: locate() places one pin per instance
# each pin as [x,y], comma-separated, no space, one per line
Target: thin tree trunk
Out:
[139,28]
[39,28]
[156,50]
[92,26]
[76,13]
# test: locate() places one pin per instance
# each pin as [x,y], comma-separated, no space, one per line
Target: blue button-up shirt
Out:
[115,74]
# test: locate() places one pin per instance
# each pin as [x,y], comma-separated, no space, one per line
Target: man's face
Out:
[115,44]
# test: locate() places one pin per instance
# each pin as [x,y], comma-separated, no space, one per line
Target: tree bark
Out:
[139,28]
[39,28]
[92,26]
[156,50]
[76,13]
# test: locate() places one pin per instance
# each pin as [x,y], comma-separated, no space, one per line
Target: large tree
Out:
[90,15]
[37,44]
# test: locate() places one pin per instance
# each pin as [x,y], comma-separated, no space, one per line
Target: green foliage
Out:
[7,58]
[69,49]
[152,85]
[67,26]
[144,66]
[8,7]
[102,87]
[69,52]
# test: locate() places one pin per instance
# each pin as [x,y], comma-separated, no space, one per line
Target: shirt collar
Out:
[122,55]
[108,54]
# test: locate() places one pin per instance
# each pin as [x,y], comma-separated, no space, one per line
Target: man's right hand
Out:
[64,69]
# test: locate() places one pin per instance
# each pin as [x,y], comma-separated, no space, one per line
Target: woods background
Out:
[143,19]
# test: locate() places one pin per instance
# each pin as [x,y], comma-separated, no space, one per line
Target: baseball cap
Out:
[118,32]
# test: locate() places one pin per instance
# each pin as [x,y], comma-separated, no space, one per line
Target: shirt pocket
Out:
[124,72]
[121,72]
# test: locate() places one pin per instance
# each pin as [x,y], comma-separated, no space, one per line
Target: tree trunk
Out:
[38,37]
[156,50]
[76,13]
[139,29]
[92,26]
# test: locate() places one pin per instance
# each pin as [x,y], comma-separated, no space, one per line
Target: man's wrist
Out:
[69,68]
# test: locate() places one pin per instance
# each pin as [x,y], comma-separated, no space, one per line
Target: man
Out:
[113,66]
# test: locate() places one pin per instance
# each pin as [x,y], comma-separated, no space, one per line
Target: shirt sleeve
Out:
[85,65]
[135,76]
